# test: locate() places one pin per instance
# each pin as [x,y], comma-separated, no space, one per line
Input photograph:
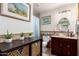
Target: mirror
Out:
[63,24]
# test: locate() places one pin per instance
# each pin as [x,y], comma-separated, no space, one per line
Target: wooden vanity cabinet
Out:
[63,46]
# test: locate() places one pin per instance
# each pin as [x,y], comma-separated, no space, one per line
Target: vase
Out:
[8,40]
[21,38]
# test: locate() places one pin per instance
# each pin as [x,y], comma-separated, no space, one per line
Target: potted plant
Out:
[8,37]
[30,34]
[22,36]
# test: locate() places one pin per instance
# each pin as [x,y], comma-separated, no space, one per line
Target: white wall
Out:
[15,25]
[55,17]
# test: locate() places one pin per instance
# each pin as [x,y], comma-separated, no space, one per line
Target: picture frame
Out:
[20,11]
[46,20]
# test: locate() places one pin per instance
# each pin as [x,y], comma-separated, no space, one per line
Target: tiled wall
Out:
[57,33]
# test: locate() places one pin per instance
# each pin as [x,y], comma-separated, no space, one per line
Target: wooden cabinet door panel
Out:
[69,47]
[56,47]
[65,50]
[25,51]
[36,49]
[66,47]
[74,47]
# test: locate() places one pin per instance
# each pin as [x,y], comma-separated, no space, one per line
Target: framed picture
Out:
[46,20]
[21,11]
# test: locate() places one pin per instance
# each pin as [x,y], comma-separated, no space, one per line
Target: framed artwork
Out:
[21,11]
[46,20]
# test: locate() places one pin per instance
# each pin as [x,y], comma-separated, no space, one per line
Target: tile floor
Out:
[47,52]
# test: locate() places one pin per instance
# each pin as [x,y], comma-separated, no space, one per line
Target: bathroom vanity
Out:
[64,46]
[26,47]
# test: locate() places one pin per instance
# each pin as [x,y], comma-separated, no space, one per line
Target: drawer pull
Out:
[68,46]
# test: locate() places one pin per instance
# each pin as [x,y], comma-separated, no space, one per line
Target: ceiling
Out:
[42,7]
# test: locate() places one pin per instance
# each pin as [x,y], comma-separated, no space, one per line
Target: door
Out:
[36,27]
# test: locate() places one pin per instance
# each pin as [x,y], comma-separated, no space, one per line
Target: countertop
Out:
[6,47]
[65,37]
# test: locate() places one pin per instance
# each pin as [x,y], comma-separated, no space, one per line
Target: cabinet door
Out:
[25,51]
[69,47]
[36,49]
[66,47]
[56,47]
[73,47]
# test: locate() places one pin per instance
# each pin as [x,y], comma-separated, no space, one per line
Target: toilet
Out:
[46,38]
